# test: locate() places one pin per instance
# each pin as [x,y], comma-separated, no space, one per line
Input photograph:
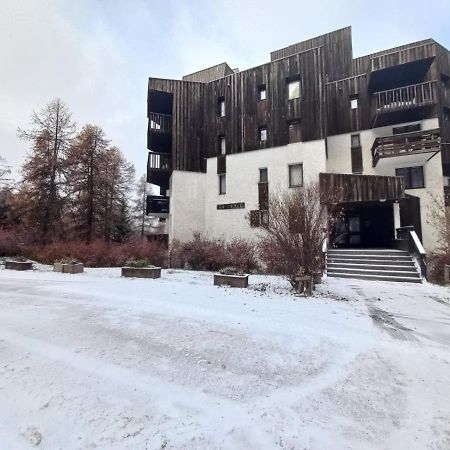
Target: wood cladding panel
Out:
[346,188]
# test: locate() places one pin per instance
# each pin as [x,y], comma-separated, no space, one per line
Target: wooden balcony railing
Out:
[405,144]
[159,161]
[405,97]
[403,56]
[161,123]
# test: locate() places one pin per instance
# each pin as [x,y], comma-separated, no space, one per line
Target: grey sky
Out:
[97,54]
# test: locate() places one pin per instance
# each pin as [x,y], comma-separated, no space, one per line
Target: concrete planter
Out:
[68,267]
[18,265]
[447,273]
[141,272]
[238,281]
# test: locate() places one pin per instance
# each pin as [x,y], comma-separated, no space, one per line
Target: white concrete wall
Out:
[187,204]
[432,196]
[194,196]
[242,184]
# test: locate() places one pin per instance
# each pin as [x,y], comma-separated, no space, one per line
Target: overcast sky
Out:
[96,55]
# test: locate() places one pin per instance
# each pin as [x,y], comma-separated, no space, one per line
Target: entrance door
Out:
[410,214]
[366,226]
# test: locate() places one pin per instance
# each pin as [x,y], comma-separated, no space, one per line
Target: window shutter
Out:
[263,196]
[357,163]
[221,164]
[255,218]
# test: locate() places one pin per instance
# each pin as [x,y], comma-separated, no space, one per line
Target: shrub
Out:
[99,253]
[201,253]
[11,243]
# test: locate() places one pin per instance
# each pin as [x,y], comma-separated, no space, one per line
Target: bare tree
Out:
[295,230]
[142,221]
[5,170]
[50,135]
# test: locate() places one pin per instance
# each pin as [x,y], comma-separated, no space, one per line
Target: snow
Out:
[97,361]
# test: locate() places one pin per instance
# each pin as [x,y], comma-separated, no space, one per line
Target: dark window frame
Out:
[359,140]
[407,174]
[351,99]
[260,131]
[262,88]
[222,176]
[220,102]
[261,169]
[290,177]
[221,138]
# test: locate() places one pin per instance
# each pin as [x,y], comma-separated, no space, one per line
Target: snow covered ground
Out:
[96,361]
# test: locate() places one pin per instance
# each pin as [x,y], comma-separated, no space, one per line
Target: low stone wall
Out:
[238,281]
[68,268]
[18,265]
[141,272]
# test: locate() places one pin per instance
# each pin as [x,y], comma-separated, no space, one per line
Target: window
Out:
[445,81]
[222,184]
[406,129]
[263,175]
[221,106]
[262,92]
[263,134]
[354,101]
[413,177]
[355,140]
[294,89]
[296,175]
[295,131]
[222,145]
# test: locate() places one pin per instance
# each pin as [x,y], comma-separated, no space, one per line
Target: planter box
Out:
[68,268]
[446,273]
[18,265]
[238,281]
[141,272]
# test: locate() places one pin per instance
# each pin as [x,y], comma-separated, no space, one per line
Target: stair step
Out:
[357,253]
[409,274]
[373,257]
[375,267]
[373,262]
[376,277]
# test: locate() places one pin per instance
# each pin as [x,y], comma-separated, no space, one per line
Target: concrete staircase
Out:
[374,264]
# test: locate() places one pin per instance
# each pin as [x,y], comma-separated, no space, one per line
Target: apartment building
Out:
[222,141]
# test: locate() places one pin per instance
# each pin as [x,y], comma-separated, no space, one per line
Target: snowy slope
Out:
[96,361]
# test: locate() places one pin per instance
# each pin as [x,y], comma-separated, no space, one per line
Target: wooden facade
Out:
[349,188]
[399,85]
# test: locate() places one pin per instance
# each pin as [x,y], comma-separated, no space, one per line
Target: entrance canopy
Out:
[349,188]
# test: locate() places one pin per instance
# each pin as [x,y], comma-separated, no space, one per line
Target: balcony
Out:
[407,55]
[159,169]
[157,206]
[405,97]
[415,147]
[159,123]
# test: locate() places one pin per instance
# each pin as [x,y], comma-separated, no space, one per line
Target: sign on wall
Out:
[231,206]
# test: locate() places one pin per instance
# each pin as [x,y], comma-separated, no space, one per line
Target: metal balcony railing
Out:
[405,97]
[159,161]
[161,123]
[158,205]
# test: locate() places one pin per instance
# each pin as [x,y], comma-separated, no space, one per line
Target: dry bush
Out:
[294,234]
[11,243]
[201,253]
[100,253]
[436,260]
